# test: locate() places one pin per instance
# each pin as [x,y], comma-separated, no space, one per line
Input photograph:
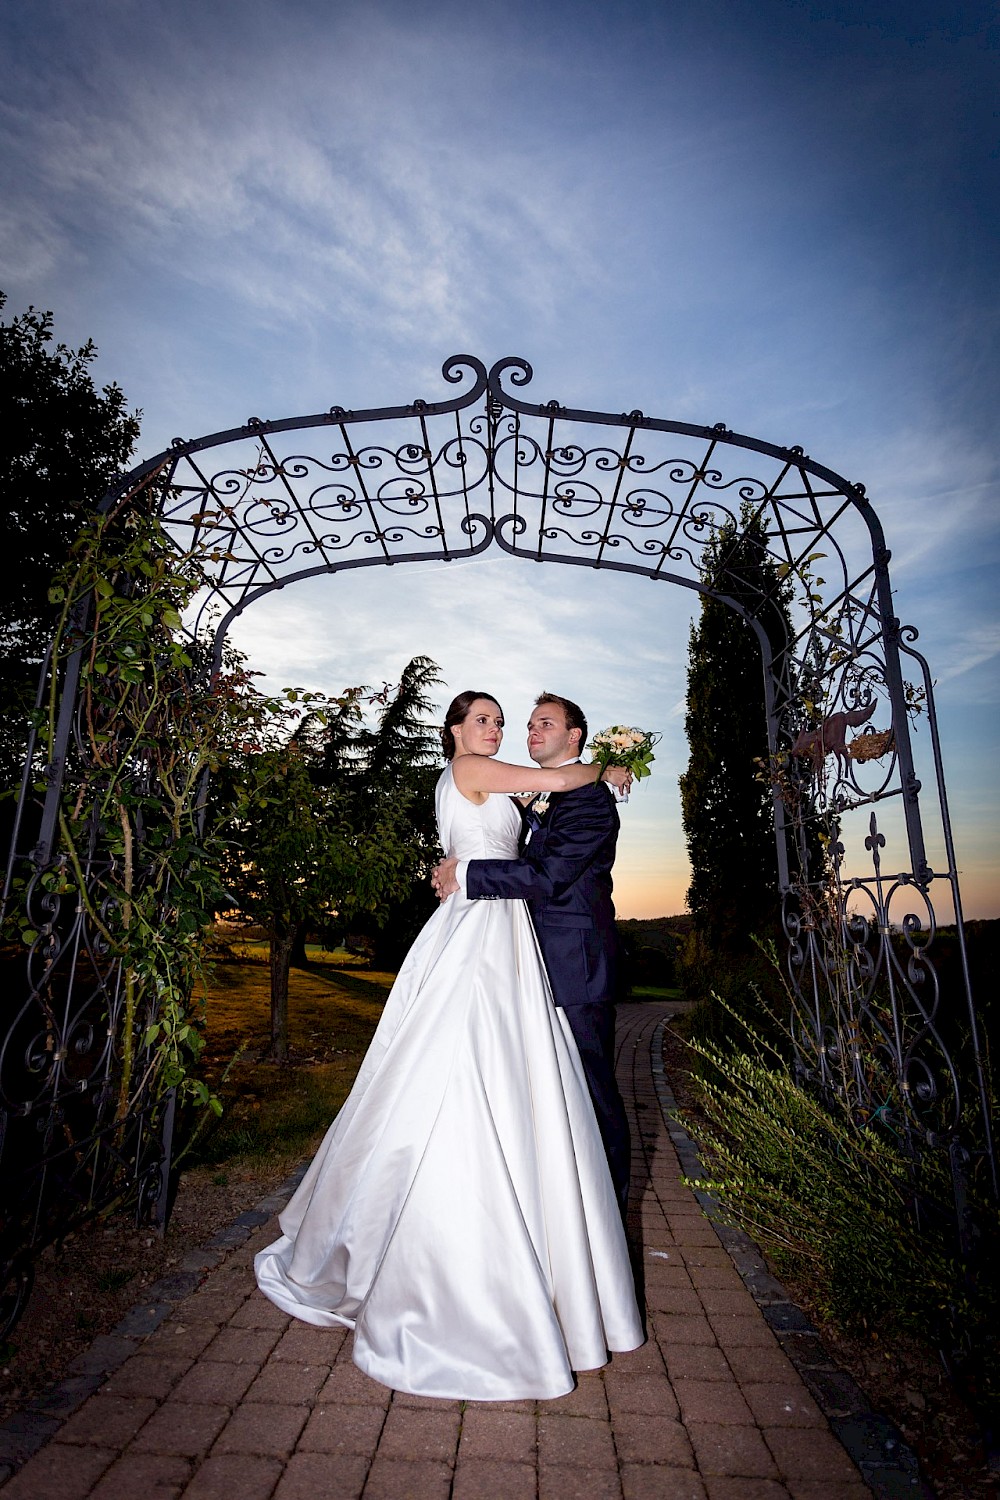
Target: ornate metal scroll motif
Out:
[855,761]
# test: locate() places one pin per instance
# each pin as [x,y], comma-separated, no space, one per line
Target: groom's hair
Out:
[573,712]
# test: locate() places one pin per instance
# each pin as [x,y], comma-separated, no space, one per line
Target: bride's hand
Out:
[618,776]
[443,879]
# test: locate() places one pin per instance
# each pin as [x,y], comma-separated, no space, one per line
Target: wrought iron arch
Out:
[485,469]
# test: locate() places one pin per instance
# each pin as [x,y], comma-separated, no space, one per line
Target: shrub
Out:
[844,1207]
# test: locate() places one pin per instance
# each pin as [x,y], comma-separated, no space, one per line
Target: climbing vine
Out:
[132,850]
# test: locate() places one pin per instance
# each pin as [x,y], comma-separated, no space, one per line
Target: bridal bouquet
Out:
[623,745]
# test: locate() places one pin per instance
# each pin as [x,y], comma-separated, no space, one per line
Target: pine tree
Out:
[726,803]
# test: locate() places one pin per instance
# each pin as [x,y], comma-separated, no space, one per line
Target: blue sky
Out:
[778,215]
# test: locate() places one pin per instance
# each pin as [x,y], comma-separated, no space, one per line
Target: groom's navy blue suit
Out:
[564,874]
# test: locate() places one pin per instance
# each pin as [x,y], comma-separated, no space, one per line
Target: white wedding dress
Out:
[459,1214]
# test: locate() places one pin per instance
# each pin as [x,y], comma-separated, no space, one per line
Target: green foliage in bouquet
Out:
[624,745]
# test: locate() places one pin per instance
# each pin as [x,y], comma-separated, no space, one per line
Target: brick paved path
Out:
[228,1399]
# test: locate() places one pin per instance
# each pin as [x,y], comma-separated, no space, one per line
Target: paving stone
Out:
[240,1346]
[424,1435]
[733,1300]
[487,1479]
[731,1450]
[647,1360]
[805,1453]
[691,1232]
[725,1277]
[147,1375]
[498,1435]
[143,1319]
[785,1317]
[341,1429]
[426,1403]
[587,1399]
[288,1383]
[253,1218]
[135,1476]
[764,1364]
[175,1287]
[257,1312]
[310,1346]
[806,1350]
[837,1393]
[706,1255]
[711,1401]
[229,1238]
[699,1362]
[180,1428]
[782,1404]
[574,1440]
[228,1475]
[23,1433]
[661,1271]
[107,1421]
[735,1331]
[822,1489]
[324,1476]
[678,1328]
[59,1473]
[271,1430]
[178,1340]
[660,1482]
[658,1238]
[346,1383]
[720,1488]
[640,1438]
[567,1482]
[651,1395]
[215,1383]
[105,1354]
[63,1399]
[211,1305]
[529,1407]
[395,1478]
[272,1205]
[673,1299]
[200,1259]
[763,1287]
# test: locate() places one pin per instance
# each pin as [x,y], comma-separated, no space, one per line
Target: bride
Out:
[459,1215]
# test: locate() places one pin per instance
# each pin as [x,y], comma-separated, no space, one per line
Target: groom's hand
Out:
[443,879]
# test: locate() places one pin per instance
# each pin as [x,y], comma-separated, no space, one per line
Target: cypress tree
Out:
[726,802]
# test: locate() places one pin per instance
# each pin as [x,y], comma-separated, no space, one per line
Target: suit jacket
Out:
[564,873]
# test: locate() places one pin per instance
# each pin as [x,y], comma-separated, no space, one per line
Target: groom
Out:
[564,873]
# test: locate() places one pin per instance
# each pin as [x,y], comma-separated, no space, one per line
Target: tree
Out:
[299,856]
[397,757]
[726,802]
[334,829]
[62,441]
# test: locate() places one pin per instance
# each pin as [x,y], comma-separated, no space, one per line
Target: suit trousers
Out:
[593,1027]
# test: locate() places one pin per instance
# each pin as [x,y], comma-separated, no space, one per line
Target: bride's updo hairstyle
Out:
[458,711]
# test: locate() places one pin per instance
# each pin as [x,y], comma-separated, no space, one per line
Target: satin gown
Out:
[459,1214]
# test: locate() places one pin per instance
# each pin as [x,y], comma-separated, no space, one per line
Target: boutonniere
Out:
[541,807]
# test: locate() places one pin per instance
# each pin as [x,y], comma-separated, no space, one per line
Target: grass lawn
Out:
[273,1116]
[653,992]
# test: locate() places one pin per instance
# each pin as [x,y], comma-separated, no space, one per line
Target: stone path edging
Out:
[889,1465]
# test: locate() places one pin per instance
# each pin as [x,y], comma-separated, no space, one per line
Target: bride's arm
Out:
[483,773]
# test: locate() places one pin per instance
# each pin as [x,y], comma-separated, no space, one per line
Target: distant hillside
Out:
[662,933]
